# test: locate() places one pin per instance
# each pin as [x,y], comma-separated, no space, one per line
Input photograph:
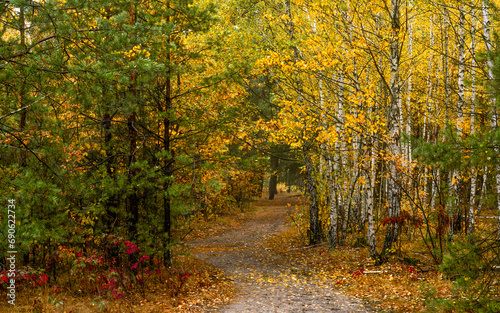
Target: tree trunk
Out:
[370,235]
[445,68]
[455,178]
[370,201]
[22,95]
[132,199]
[22,123]
[341,160]
[314,225]
[409,99]
[168,162]
[494,117]
[332,232]
[112,201]
[394,196]
[428,172]
[473,174]
[167,171]
[273,180]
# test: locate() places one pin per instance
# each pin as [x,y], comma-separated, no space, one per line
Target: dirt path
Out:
[267,282]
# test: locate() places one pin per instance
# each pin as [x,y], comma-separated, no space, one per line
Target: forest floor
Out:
[267,281]
[256,260]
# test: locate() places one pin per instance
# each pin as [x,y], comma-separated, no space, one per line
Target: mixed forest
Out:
[120,120]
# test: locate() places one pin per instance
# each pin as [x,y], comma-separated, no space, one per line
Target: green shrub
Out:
[473,270]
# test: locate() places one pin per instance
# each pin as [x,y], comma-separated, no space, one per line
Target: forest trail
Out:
[267,282]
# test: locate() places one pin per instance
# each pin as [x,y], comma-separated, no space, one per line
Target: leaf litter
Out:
[266,280]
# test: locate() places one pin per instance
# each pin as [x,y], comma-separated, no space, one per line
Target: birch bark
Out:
[393,124]
[456,181]
[473,183]
[494,117]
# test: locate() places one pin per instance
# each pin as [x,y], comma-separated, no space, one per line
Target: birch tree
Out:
[393,127]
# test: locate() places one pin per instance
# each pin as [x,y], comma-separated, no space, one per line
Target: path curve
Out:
[265,281]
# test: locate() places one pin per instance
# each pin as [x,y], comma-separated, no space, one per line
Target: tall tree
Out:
[393,127]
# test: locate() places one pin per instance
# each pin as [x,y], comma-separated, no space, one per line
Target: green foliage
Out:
[459,153]
[472,268]
[74,159]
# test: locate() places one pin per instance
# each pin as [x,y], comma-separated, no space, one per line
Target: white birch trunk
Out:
[370,235]
[473,184]
[409,90]
[445,68]
[328,155]
[393,124]
[353,203]
[494,117]
[329,173]
[447,91]
[483,189]
[340,162]
[428,108]
[435,181]
[455,180]
[461,71]
[333,207]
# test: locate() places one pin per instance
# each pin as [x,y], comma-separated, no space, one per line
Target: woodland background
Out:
[122,119]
